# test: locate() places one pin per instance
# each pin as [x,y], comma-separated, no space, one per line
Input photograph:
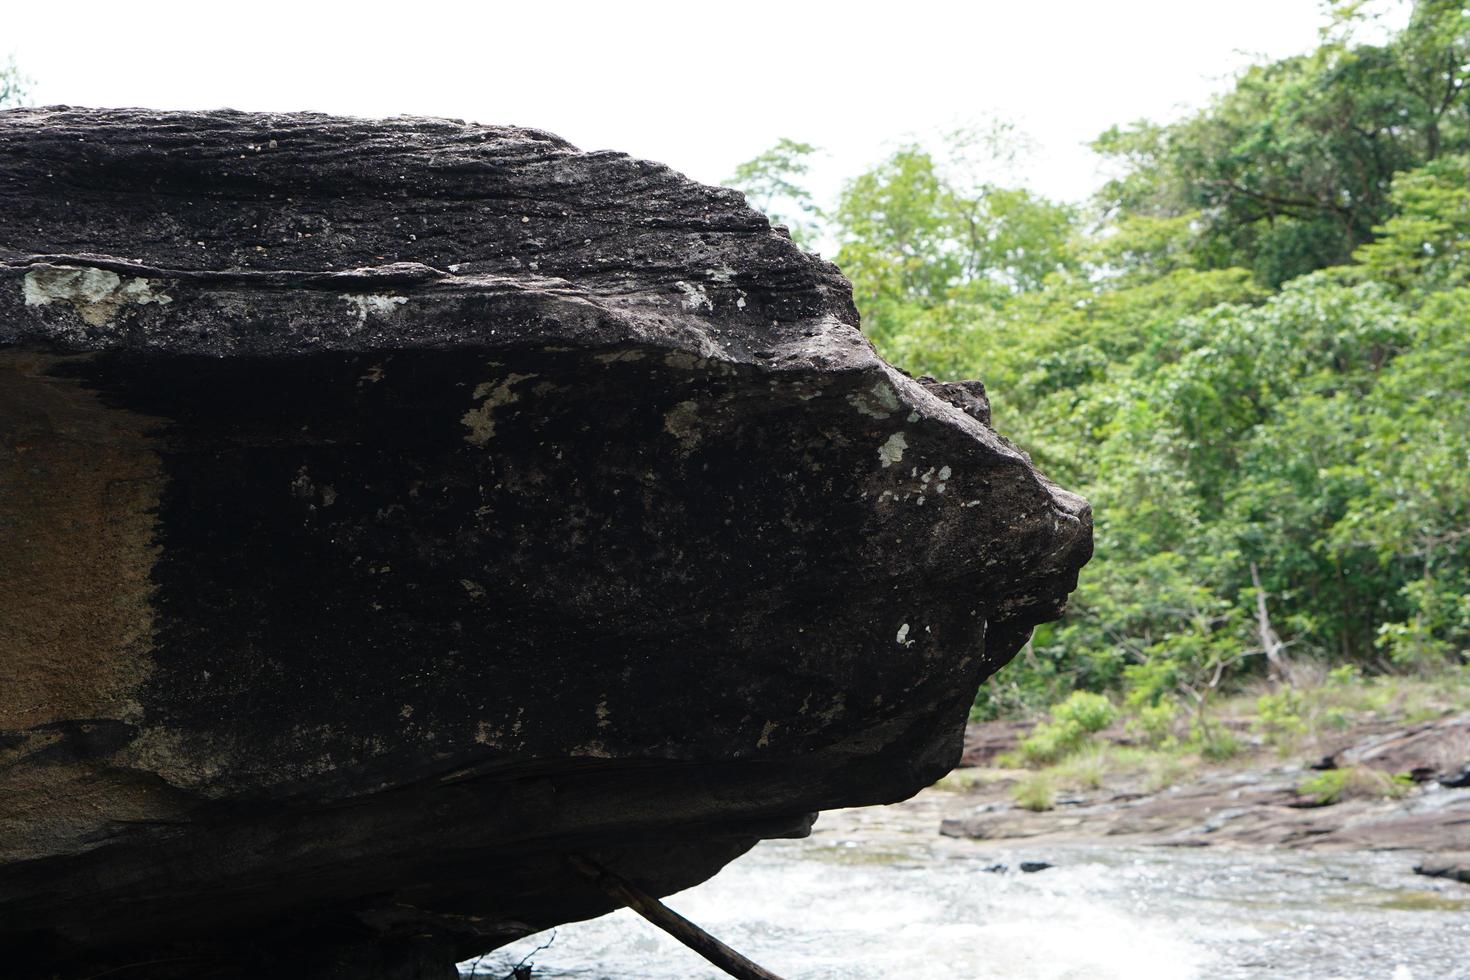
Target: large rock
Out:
[389,509]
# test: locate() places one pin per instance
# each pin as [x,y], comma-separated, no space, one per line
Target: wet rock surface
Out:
[1455,866]
[391,509]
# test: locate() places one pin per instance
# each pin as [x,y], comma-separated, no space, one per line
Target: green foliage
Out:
[1155,722]
[1250,354]
[1048,744]
[1035,792]
[1426,241]
[920,233]
[1354,782]
[1290,170]
[1216,745]
[1279,717]
[1073,722]
[772,183]
[13,85]
[1087,712]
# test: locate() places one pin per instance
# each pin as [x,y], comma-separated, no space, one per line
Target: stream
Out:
[877,893]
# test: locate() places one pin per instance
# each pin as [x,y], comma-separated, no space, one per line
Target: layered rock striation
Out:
[389,509]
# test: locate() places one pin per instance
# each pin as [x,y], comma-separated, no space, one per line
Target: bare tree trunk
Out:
[1275,650]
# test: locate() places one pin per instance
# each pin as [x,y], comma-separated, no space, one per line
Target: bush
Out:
[1279,717]
[1086,711]
[1035,793]
[1155,722]
[1354,782]
[1072,725]
[1086,769]
[1218,746]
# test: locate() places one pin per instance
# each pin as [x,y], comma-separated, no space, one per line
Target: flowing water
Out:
[879,894]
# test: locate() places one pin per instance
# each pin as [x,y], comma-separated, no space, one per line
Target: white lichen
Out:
[892,451]
[96,294]
[879,401]
[379,303]
[694,295]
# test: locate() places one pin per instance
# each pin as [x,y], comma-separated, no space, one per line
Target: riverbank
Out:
[1377,778]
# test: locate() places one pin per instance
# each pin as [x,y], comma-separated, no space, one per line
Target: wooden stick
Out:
[670,921]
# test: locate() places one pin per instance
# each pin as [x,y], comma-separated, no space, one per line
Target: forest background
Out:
[1250,350]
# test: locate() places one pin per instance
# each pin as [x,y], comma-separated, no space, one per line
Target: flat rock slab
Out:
[1452,865]
[391,509]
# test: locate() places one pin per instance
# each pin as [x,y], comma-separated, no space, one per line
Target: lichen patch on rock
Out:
[95,294]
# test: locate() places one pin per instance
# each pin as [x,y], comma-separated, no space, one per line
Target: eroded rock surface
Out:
[389,509]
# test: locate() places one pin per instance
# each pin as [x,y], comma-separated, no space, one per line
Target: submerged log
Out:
[390,509]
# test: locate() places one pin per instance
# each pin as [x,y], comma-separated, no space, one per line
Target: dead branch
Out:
[670,921]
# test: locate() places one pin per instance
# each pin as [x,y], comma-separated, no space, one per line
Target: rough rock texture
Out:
[1255,805]
[388,509]
[1437,750]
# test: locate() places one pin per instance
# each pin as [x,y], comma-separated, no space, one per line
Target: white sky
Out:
[696,85]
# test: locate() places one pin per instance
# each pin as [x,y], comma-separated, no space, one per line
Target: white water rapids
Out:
[879,894]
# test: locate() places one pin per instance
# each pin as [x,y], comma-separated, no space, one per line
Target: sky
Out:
[699,86]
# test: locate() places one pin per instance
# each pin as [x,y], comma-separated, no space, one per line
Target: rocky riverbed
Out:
[1404,788]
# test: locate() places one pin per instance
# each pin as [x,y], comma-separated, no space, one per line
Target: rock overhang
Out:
[580,500]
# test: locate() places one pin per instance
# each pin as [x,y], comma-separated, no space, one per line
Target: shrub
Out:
[1086,769]
[1035,793]
[1155,722]
[1049,743]
[1279,717]
[1218,745]
[1072,725]
[1086,711]
[1354,782]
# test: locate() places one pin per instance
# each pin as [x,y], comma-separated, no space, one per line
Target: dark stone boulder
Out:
[391,509]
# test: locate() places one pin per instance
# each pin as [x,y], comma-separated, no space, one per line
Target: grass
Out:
[1353,782]
[1170,747]
[1101,763]
[966,780]
[1327,703]
[1035,792]
[1166,771]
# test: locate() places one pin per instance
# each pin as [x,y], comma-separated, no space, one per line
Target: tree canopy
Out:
[1250,351]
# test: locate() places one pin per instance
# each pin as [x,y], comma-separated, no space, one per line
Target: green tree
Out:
[1250,354]
[13,85]
[773,183]
[1290,170]
[921,231]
